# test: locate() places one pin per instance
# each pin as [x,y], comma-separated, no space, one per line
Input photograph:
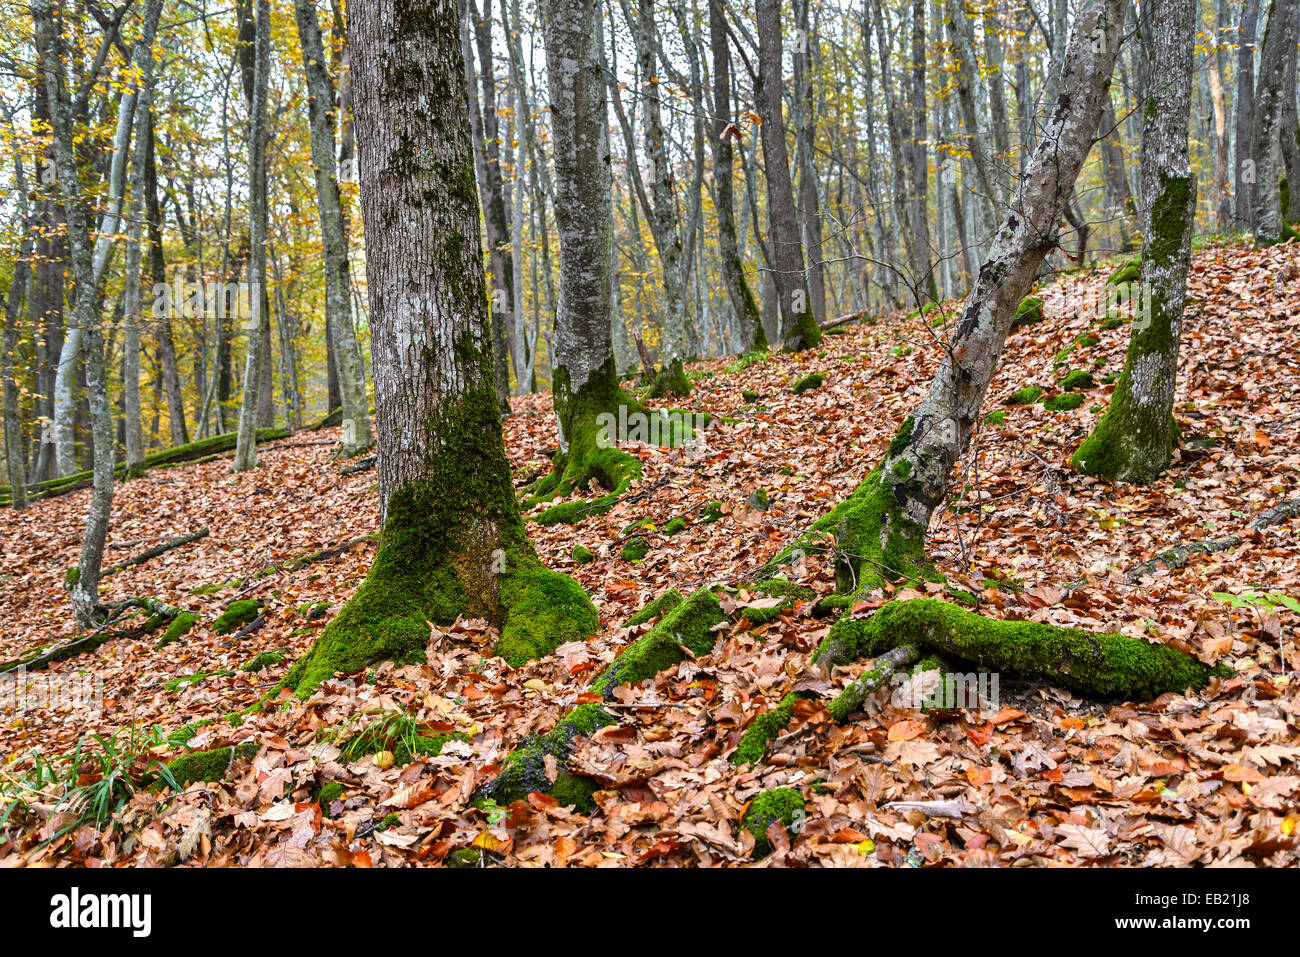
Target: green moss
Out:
[1129,272]
[524,771]
[749,395]
[1092,663]
[262,660]
[1026,396]
[1028,312]
[181,624]
[902,438]
[330,792]
[391,820]
[670,380]
[1112,322]
[237,614]
[675,526]
[712,512]
[71,577]
[1063,402]
[779,804]
[1086,340]
[688,624]
[656,609]
[758,500]
[210,765]
[997,417]
[313,609]
[453,543]
[634,550]
[580,555]
[1076,380]
[183,682]
[812,381]
[764,728]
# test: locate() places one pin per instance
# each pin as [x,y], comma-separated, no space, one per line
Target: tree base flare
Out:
[1092,663]
[388,618]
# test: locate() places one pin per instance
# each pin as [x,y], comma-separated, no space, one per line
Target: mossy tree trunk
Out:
[584,381]
[752,333]
[1134,440]
[1279,39]
[452,541]
[880,529]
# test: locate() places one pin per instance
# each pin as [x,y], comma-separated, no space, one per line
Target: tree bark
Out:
[1244,173]
[487,160]
[1134,440]
[258,323]
[723,131]
[799,328]
[1279,43]
[14,463]
[452,541]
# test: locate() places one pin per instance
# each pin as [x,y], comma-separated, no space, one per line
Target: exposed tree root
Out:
[686,625]
[159,611]
[1092,663]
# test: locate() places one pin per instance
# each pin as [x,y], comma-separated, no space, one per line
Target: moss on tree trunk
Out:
[452,544]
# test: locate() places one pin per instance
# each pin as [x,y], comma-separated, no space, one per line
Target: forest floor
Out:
[1047,778]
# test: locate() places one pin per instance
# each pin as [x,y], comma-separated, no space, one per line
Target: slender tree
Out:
[723,132]
[259,322]
[799,326]
[1134,439]
[351,375]
[880,528]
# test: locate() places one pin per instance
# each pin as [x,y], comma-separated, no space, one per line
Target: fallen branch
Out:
[1178,557]
[157,550]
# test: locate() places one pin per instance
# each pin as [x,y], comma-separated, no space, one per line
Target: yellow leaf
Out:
[384,760]
[866,847]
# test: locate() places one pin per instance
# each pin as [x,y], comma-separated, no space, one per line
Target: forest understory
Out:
[1045,778]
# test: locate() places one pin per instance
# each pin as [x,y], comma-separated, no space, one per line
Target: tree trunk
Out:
[1279,43]
[131,297]
[1218,102]
[723,131]
[881,527]
[1290,132]
[162,320]
[452,541]
[1245,174]
[1112,157]
[1134,440]
[487,160]
[799,328]
[83,581]
[8,347]
[259,322]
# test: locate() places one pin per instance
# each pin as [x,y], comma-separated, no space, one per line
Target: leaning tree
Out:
[879,532]
[1134,441]
[452,540]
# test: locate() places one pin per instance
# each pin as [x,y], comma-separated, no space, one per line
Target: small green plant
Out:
[91,784]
